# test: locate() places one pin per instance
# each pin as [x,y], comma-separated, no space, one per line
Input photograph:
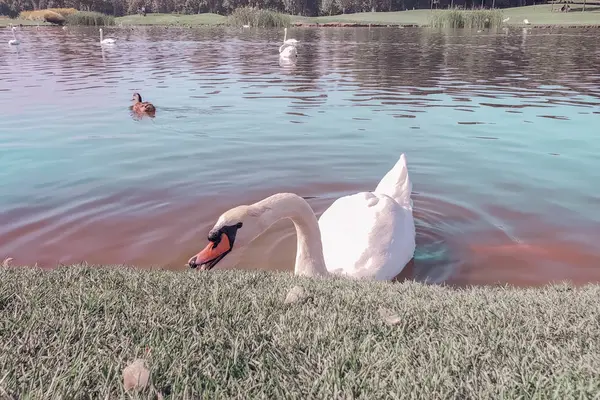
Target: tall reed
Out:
[469,19]
[258,18]
[90,18]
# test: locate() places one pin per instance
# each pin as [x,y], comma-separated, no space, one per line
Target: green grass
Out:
[537,15]
[90,18]
[172,19]
[228,334]
[258,18]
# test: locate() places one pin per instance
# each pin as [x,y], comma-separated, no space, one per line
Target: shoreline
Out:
[317,25]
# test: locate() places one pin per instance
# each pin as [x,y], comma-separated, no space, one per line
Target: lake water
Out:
[500,130]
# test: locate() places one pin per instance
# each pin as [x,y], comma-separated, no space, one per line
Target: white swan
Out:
[364,235]
[288,52]
[107,40]
[526,21]
[505,20]
[293,42]
[14,41]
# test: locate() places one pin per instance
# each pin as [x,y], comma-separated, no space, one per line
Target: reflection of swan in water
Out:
[364,235]
[14,41]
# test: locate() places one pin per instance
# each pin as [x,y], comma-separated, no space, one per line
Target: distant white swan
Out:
[293,42]
[14,41]
[505,20]
[107,40]
[526,21]
[364,235]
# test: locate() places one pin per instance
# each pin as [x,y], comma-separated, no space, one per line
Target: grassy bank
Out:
[540,15]
[228,334]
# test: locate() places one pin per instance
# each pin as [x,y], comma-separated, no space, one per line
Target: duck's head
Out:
[137,97]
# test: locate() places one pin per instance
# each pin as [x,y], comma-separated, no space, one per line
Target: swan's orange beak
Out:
[211,254]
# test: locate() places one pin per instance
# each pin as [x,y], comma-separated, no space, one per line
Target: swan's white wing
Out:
[367,235]
[288,52]
[396,183]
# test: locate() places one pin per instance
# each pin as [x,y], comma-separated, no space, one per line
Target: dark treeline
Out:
[294,7]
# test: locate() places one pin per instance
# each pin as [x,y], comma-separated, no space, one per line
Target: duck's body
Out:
[142,107]
[107,41]
[365,235]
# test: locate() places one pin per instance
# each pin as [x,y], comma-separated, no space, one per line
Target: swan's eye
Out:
[239,225]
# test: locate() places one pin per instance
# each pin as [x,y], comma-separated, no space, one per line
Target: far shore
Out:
[539,16]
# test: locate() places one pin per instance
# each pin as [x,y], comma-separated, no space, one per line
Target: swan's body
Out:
[364,235]
[526,21]
[288,52]
[14,41]
[371,234]
[505,20]
[108,41]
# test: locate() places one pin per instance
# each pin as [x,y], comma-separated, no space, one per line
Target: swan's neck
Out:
[284,35]
[309,251]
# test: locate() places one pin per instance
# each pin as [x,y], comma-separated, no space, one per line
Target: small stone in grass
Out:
[389,317]
[296,294]
[136,375]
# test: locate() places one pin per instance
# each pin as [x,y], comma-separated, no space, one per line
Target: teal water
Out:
[500,130]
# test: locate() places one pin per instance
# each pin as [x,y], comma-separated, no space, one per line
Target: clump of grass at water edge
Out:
[258,18]
[90,18]
[469,19]
[231,334]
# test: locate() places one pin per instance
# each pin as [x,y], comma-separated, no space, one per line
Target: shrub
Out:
[43,15]
[65,12]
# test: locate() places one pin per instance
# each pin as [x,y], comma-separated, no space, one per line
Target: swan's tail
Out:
[396,183]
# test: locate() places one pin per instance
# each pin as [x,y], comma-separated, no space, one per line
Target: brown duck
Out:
[142,107]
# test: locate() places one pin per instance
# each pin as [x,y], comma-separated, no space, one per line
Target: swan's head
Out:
[233,232]
[100,30]
[14,28]
[136,97]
